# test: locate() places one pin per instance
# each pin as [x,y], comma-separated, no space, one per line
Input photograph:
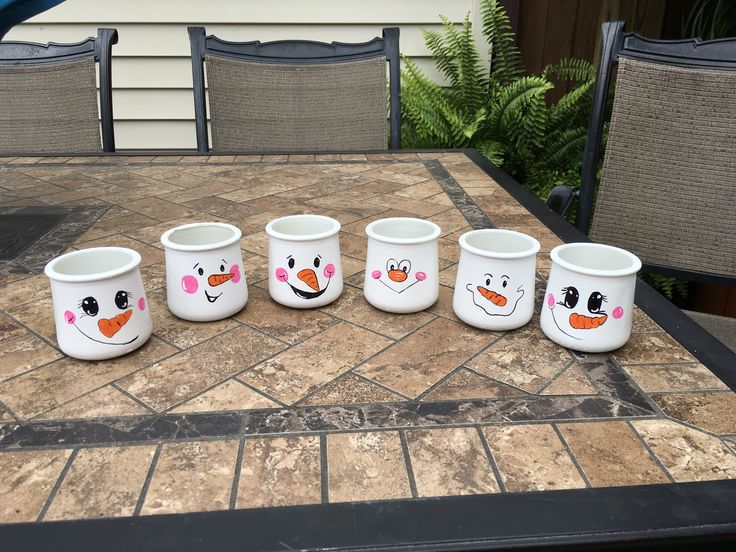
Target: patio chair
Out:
[48,96]
[295,95]
[668,189]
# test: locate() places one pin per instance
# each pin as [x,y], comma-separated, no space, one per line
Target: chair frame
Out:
[617,44]
[294,51]
[100,47]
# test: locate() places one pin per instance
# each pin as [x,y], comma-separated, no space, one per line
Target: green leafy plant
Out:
[498,110]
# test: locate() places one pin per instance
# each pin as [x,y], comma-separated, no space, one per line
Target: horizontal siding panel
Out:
[283,11]
[173,40]
[132,72]
[153,104]
[155,135]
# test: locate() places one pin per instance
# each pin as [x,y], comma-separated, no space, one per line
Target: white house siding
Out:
[152,79]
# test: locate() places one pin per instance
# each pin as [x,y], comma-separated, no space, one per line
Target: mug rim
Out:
[533,249]
[132,264]
[167,243]
[436,231]
[633,269]
[303,237]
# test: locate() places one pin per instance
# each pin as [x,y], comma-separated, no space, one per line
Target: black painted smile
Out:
[308,294]
[211,298]
[105,342]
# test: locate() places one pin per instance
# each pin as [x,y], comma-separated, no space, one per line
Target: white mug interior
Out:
[302,227]
[400,230]
[200,235]
[92,264]
[596,259]
[502,243]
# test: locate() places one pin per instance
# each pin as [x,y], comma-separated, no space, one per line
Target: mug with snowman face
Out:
[100,307]
[589,302]
[205,279]
[402,267]
[494,288]
[304,261]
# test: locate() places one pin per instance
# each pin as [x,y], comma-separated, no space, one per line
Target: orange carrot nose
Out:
[397,275]
[110,326]
[217,279]
[309,277]
[495,298]
[582,322]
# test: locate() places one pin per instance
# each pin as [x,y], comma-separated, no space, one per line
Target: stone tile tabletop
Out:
[275,407]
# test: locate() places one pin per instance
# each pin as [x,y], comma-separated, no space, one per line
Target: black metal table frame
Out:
[665,516]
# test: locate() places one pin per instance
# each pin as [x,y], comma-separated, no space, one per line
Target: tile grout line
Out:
[651,452]
[491,459]
[408,464]
[525,394]
[147,481]
[135,399]
[554,378]
[57,485]
[574,458]
[236,474]
[324,469]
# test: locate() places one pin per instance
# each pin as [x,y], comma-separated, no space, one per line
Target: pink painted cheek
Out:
[142,303]
[235,271]
[282,275]
[376,274]
[329,270]
[421,276]
[69,317]
[189,283]
[618,312]
[550,300]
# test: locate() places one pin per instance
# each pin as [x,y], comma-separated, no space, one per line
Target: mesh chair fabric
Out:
[49,107]
[669,174]
[291,107]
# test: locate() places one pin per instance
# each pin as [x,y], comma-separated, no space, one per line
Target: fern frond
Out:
[516,100]
[576,70]
[493,150]
[565,148]
[574,107]
[506,63]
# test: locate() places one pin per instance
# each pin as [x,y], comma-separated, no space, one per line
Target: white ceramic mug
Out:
[100,307]
[401,267]
[589,300]
[494,288]
[205,278]
[304,269]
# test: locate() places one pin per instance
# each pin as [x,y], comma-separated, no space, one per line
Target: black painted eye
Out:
[488,281]
[595,302]
[121,299]
[222,268]
[571,297]
[391,265]
[200,270]
[291,263]
[90,306]
[505,283]
[316,262]
[405,266]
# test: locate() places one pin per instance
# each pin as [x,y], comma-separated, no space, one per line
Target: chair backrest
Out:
[668,189]
[293,95]
[48,96]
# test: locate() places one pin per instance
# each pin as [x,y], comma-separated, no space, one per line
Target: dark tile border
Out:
[314,419]
[76,221]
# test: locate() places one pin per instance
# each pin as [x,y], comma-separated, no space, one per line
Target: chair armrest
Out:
[560,199]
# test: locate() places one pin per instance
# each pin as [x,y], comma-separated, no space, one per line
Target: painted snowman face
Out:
[398,276]
[211,280]
[107,318]
[578,311]
[496,296]
[307,278]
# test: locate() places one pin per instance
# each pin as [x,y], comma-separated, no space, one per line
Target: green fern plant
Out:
[498,110]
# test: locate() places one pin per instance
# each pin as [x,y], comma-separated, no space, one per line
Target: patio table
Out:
[341,426]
